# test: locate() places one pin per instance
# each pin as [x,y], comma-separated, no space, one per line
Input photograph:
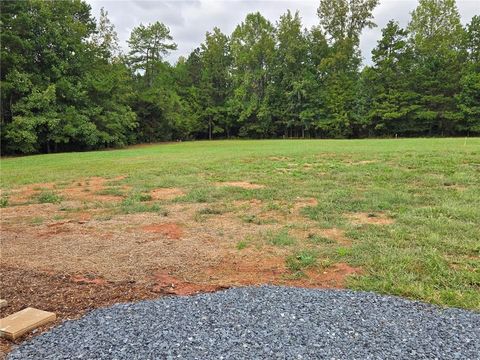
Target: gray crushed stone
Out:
[266,322]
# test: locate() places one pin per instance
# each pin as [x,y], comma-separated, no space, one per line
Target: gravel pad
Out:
[264,323]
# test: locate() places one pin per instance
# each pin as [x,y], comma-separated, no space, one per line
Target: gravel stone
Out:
[266,322]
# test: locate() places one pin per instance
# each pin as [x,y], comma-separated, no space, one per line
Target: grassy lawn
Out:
[408,210]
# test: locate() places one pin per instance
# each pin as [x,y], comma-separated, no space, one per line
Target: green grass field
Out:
[429,188]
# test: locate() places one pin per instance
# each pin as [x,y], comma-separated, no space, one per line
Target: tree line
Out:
[67,86]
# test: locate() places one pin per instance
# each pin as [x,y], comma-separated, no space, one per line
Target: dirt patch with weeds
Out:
[248,203]
[71,261]
[240,184]
[252,269]
[90,189]
[170,230]
[334,276]
[364,218]
[337,235]
[301,203]
[166,193]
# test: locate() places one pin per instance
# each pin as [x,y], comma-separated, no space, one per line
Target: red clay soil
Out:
[167,284]
[252,270]
[170,230]
[332,277]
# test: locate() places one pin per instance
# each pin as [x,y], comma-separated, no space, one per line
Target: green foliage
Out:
[317,239]
[135,203]
[73,97]
[253,49]
[114,191]
[436,37]
[280,238]
[301,260]
[242,245]
[264,80]
[3,201]
[345,19]
[211,211]
[148,44]
[48,197]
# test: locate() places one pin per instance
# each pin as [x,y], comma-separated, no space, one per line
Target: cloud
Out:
[190,20]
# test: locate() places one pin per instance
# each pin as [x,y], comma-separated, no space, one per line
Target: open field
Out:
[83,230]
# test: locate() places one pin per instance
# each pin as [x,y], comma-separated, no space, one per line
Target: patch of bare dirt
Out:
[27,193]
[332,277]
[361,162]
[88,279]
[301,203]
[279,158]
[252,269]
[278,212]
[170,230]
[69,258]
[247,267]
[167,284]
[124,247]
[166,193]
[364,218]
[76,263]
[336,234]
[90,189]
[457,187]
[240,184]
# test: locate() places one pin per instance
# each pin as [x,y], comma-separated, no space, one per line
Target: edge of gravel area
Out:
[276,322]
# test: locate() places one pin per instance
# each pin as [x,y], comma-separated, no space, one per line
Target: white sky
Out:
[189,20]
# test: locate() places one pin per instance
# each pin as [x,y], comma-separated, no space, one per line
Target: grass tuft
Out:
[3,201]
[210,211]
[48,197]
[242,245]
[301,260]
[134,204]
[113,191]
[317,239]
[280,238]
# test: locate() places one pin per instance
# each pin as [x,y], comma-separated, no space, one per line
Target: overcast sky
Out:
[189,20]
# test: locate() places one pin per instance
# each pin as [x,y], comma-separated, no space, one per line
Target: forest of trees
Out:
[66,85]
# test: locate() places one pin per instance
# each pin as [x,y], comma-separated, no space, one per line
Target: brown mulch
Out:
[70,296]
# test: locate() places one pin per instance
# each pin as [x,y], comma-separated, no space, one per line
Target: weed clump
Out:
[301,260]
[3,201]
[134,204]
[48,197]
[242,245]
[281,238]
